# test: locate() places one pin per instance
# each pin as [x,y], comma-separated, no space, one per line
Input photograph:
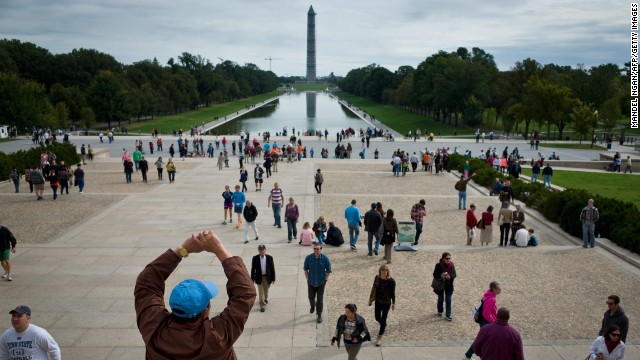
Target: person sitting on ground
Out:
[307,237]
[497,187]
[522,237]
[334,236]
[533,240]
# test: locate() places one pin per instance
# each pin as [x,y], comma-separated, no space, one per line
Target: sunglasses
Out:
[610,303]
[615,334]
[316,249]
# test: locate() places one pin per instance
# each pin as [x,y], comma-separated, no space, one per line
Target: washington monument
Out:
[311,46]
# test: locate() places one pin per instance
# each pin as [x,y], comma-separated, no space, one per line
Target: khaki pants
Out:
[263,292]
[387,252]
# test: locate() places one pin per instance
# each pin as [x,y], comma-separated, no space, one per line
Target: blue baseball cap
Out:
[22,310]
[189,298]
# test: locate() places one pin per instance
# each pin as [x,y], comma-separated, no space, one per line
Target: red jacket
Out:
[471,219]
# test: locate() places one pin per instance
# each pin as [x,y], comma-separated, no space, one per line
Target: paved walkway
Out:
[80,284]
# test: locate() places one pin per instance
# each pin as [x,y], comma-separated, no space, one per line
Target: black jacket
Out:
[362,332]
[372,221]
[250,213]
[7,240]
[256,270]
[620,319]
[334,236]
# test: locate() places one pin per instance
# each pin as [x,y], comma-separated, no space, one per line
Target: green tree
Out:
[582,119]
[23,104]
[60,114]
[107,97]
[87,117]
[610,113]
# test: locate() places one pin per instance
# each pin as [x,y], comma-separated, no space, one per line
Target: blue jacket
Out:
[352,214]
[238,198]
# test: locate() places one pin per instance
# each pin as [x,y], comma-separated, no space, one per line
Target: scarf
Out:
[611,345]
[449,266]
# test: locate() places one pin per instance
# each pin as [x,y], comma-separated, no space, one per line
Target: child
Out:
[533,240]
[307,236]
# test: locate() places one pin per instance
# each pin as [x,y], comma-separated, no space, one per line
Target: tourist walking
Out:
[291,215]
[15,177]
[78,174]
[263,274]
[220,161]
[444,274]
[471,223]
[27,341]
[383,293]
[418,213]
[238,199]
[499,340]
[489,311]
[227,205]
[171,170]
[352,215]
[352,329]
[389,234]
[318,180]
[589,216]
[159,167]
[317,269]
[615,315]
[257,175]
[250,213]
[144,167]
[608,346]
[547,173]
[372,223]
[187,331]
[7,247]
[486,231]
[628,165]
[37,179]
[128,169]
[53,182]
[274,201]
[505,217]
[244,176]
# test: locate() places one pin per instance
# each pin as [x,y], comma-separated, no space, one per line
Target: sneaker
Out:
[224,222]
[4,276]
[257,238]
[449,318]
[246,241]
[289,241]
[353,248]
[9,278]
[375,252]
[440,314]
[279,226]
[319,319]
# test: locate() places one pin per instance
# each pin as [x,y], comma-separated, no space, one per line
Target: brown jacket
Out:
[205,339]
[518,216]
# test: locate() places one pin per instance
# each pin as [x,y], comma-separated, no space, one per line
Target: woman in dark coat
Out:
[446,271]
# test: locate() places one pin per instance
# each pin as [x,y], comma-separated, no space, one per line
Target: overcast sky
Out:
[349,33]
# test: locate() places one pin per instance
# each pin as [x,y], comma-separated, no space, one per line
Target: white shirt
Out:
[263,264]
[35,343]
[599,346]
[522,237]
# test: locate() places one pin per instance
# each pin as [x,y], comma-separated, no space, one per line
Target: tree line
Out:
[466,88]
[86,86]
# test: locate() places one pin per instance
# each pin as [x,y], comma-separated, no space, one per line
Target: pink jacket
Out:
[489,307]
[306,237]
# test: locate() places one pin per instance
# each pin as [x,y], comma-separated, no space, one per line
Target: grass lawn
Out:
[400,120]
[195,117]
[618,186]
[585,146]
[8,139]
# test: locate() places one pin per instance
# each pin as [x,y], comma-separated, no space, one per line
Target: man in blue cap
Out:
[187,332]
[27,341]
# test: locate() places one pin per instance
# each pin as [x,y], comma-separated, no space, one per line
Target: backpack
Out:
[37,177]
[459,186]
[476,313]
[62,174]
[388,237]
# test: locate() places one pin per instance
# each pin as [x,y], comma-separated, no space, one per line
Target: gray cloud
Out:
[349,33]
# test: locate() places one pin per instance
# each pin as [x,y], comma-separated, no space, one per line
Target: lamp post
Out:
[595,123]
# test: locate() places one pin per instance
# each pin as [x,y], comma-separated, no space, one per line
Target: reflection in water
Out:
[311,105]
[322,112]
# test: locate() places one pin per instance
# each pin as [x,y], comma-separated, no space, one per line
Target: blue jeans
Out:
[321,237]
[354,232]
[534,178]
[291,228]
[547,180]
[80,182]
[370,236]
[396,170]
[469,352]
[462,200]
[588,237]
[127,176]
[276,213]
[137,163]
[445,297]
[418,232]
